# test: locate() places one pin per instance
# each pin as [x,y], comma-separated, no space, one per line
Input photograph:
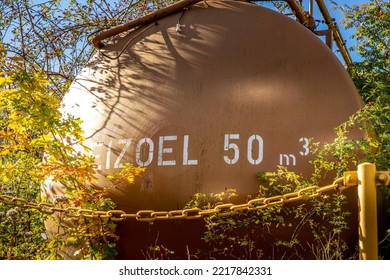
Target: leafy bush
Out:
[33,129]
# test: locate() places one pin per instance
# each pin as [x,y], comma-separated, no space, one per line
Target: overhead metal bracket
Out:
[332,34]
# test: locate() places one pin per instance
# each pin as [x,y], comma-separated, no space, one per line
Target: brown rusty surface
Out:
[236,70]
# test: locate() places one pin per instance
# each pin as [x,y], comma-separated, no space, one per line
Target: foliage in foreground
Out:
[32,127]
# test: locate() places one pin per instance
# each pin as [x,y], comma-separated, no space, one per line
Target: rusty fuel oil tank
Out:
[204,99]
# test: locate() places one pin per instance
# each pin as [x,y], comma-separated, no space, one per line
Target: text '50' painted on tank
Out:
[167,149]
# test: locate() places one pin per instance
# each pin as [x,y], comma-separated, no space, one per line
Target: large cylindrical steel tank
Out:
[236,90]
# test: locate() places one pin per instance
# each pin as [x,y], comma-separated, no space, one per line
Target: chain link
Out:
[221,210]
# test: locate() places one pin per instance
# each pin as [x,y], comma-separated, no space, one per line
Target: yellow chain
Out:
[226,209]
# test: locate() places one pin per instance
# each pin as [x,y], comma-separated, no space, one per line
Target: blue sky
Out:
[346,33]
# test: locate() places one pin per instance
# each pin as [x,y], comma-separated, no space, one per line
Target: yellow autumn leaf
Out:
[5,80]
[42,140]
[374,144]
[4,152]
[15,126]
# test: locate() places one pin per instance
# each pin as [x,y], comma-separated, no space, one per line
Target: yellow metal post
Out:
[368,228]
